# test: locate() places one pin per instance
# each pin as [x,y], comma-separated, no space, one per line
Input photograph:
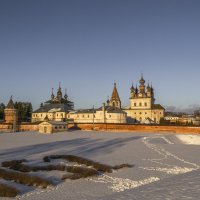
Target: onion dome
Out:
[59,93]
[52,95]
[132,88]
[108,101]
[148,88]
[65,94]
[142,81]
[136,90]
[152,88]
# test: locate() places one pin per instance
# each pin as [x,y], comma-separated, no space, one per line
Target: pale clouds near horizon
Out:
[189,109]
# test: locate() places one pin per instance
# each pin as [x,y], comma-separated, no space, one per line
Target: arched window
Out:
[140,104]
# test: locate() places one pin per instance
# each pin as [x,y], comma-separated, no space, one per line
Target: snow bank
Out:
[189,139]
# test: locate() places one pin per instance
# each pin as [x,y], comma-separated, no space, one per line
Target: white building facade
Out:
[142,108]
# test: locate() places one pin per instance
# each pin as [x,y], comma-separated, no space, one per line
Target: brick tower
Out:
[11,115]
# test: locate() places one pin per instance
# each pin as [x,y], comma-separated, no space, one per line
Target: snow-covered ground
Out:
[190,139]
[164,166]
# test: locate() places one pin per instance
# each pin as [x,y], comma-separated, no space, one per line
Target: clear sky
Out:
[87,44]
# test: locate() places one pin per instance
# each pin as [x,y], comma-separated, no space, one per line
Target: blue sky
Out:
[87,44]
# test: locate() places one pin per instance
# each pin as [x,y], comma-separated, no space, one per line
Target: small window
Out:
[135,104]
[83,116]
[145,104]
[55,127]
[109,116]
[88,116]
[140,113]
[140,104]
[41,115]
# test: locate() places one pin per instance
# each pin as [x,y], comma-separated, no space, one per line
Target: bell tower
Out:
[115,100]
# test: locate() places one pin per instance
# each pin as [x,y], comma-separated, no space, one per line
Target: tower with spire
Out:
[11,115]
[115,100]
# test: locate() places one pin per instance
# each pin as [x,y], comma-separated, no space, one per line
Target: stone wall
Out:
[111,127]
[6,127]
[28,127]
[136,128]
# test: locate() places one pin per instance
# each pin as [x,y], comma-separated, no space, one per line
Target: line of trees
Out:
[2,107]
[24,111]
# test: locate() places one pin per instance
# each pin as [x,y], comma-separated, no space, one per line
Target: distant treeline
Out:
[2,107]
[24,111]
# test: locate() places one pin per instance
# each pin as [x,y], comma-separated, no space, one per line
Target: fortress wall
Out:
[6,127]
[111,127]
[136,128]
[28,127]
